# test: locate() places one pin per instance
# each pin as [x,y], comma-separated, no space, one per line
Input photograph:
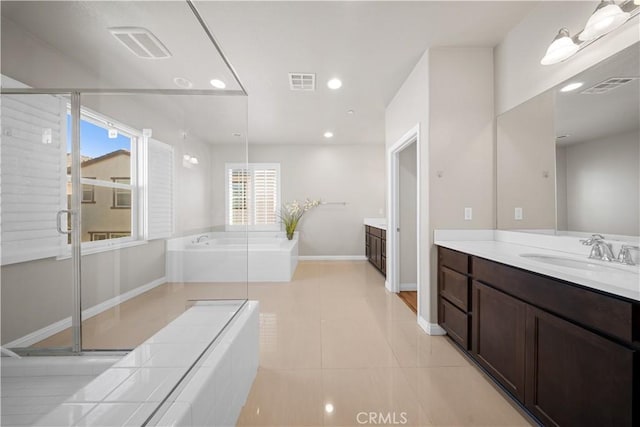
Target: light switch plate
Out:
[468,214]
[518,214]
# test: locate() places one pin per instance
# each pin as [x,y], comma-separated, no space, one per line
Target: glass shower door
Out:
[38,262]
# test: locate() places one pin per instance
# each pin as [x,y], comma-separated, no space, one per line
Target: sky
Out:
[94,140]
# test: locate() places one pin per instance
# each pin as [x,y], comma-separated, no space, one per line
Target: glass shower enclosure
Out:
[108,194]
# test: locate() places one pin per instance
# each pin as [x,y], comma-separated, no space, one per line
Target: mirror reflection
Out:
[568,160]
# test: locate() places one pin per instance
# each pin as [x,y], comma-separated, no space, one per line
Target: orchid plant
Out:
[292,212]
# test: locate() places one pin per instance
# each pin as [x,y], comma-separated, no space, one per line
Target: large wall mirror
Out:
[568,160]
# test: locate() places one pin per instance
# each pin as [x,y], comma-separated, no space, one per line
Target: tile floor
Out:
[335,346]
[336,349]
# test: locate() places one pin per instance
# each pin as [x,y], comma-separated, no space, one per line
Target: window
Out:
[253,195]
[122,196]
[88,193]
[108,165]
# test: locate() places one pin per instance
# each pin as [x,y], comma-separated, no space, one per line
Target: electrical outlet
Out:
[518,214]
[468,214]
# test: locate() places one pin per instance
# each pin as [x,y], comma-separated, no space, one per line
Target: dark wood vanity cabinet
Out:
[454,292]
[376,247]
[567,354]
[498,336]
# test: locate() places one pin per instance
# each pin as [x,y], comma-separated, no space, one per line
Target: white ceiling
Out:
[371,46]
[587,117]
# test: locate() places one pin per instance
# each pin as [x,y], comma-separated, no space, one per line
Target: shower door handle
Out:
[59,221]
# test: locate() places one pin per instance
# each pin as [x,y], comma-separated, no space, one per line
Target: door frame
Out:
[393,210]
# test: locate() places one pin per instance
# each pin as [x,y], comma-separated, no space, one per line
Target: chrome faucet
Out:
[201,238]
[599,248]
[624,257]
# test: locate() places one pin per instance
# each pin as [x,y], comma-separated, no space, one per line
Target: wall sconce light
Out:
[607,17]
[188,160]
[561,48]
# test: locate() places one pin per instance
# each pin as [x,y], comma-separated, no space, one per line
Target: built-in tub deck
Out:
[198,370]
[232,257]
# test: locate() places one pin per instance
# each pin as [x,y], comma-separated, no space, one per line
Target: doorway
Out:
[404,219]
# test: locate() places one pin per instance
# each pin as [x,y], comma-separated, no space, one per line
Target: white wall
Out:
[561,188]
[407,183]
[526,165]
[519,75]
[449,94]
[603,194]
[408,108]
[333,173]
[461,144]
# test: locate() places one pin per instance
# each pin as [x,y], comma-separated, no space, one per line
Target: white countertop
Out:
[617,279]
[380,223]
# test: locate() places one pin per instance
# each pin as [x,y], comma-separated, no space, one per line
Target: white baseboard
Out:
[112,302]
[332,258]
[387,285]
[408,287]
[431,328]
[61,325]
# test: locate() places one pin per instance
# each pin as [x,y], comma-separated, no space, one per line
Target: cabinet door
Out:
[367,244]
[498,336]
[375,250]
[575,377]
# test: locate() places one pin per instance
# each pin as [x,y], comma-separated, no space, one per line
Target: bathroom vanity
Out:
[567,352]
[375,243]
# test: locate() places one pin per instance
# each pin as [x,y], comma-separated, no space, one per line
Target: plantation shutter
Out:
[238,193]
[253,194]
[265,185]
[160,190]
[33,175]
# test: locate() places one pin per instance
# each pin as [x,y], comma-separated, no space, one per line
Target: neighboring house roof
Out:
[95,160]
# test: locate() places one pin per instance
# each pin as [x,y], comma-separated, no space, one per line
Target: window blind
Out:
[33,175]
[238,182]
[265,196]
[160,190]
[253,194]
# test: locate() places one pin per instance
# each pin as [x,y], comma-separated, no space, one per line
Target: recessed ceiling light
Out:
[218,84]
[334,84]
[328,134]
[328,408]
[183,83]
[350,112]
[571,86]
[236,134]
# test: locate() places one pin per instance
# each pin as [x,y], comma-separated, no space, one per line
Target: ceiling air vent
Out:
[302,81]
[141,42]
[608,85]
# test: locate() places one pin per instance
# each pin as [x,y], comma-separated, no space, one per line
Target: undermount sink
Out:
[575,263]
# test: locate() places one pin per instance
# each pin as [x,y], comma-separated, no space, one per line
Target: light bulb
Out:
[607,17]
[560,49]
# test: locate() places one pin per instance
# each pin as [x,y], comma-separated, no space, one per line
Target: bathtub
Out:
[223,257]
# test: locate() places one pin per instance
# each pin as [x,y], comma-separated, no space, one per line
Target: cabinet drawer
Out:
[454,260]
[609,315]
[455,288]
[454,321]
